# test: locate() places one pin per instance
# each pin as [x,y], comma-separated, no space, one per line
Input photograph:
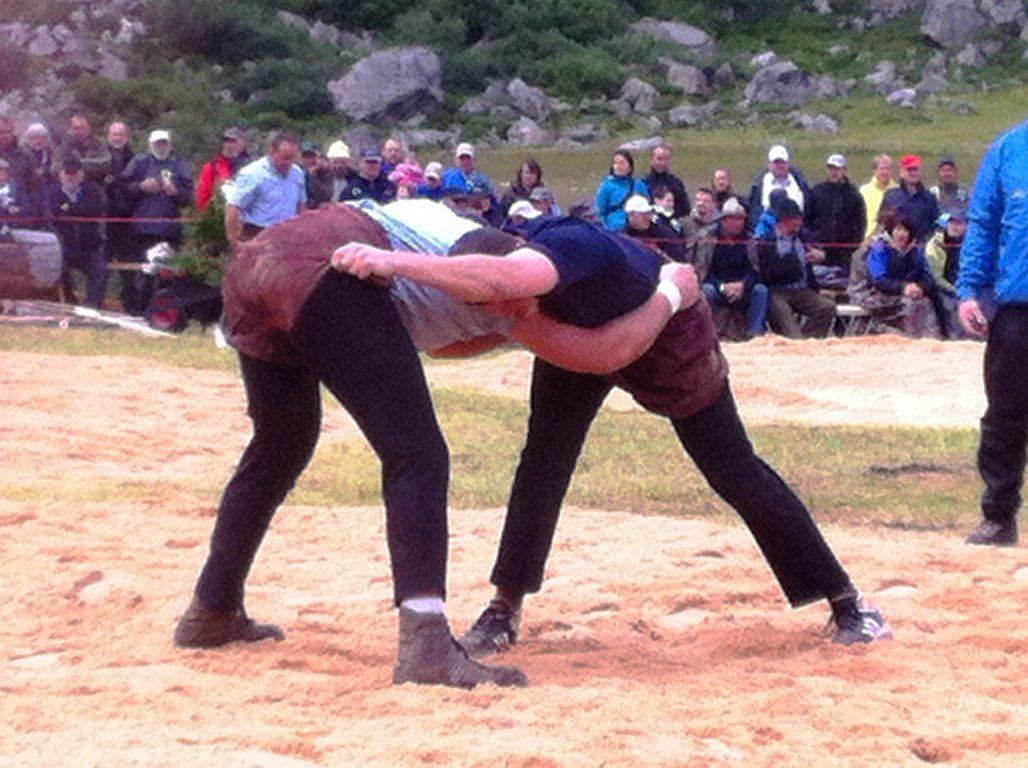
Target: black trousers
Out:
[350,339]
[1001,452]
[563,405]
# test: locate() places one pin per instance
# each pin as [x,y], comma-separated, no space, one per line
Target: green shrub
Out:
[226,32]
[294,87]
[420,27]
[572,71]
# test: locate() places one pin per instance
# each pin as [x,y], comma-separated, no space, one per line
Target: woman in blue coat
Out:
[616,189]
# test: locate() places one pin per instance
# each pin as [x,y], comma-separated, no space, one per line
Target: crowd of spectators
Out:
[782,255]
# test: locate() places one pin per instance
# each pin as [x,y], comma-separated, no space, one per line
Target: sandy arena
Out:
[655,642]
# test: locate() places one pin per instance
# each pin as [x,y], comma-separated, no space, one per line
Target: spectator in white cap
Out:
[521,211]
[644,225]
[836,219]
[780,174]
[36,177]
[160,184]
[433,187]
[463,177]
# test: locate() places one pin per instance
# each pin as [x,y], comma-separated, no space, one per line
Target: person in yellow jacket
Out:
[874,191]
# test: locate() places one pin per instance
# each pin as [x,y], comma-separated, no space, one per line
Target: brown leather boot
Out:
[429,655]
[202,627]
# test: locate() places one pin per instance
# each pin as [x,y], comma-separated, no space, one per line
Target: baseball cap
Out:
[732,208]
[371,153]
[910,161]
[434,171]
[836,161]
[956,211]
[338,150]
[946,160]
[542,194]
[465,149]
[309,148]
[233,134]
[523,209]
[480,190]
[159,135]
[787,209]
[37,129]
[777,152]
[638,204]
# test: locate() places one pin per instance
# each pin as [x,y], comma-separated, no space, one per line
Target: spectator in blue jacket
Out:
[995,252]
[81,243]
[911,200]
[732,281]
[433,187]
[899,272]
[160,185]
[615,189]
[464,176]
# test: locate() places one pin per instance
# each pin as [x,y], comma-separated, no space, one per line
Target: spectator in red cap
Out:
[911,200]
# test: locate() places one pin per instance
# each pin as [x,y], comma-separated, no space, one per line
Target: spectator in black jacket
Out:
[369,181]
[35,178]
[912,201]
[79,140]
[779,175]
[9,150]
[732,281]
[661,176]
[644,225]
[81,244]
[119,241]
[785,269]
[160,184]
[835,213]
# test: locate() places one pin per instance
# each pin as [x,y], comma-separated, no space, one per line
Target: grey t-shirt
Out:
[435,319]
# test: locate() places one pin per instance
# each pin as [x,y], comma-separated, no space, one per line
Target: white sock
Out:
[424,604]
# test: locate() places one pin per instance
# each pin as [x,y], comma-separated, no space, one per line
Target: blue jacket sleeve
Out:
[981,245]
[878,270]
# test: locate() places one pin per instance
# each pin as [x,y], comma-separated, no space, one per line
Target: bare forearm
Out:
[470,278]
[601,350]
[233,224]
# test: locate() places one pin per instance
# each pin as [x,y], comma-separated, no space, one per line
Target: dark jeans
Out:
[754,303]
[563,406]
[94,266]
[1001,452]
[350,339]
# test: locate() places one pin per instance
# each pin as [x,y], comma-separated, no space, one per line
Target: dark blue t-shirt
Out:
[601,275]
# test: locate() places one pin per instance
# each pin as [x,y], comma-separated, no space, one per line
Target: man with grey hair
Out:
[874,191]
[36,177]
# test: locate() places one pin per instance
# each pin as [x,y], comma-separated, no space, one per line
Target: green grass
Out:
[900,477]
[869,127]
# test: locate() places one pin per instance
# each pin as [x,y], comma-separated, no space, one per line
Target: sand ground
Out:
[655,641]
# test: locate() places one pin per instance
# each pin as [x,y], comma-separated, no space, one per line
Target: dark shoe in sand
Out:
[995,533]
[212,627]
[429,655]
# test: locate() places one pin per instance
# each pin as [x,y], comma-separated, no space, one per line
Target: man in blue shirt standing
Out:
[995,253]
[266,191]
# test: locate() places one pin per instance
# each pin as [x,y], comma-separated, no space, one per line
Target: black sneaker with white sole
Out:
[859,624]
[494,631]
